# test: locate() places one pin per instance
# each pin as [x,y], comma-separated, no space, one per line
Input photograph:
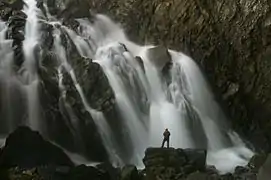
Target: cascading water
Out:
[192,114]
[147,101]
[116,67]
[6,54]
[31,55]
[97,116]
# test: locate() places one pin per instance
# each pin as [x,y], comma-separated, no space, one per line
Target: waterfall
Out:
[147,98]
[97,116]
[191,112]
[115,67]
[31,55]
[6,54]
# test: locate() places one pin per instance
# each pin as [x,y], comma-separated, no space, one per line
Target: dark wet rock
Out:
[16,4]
[114,172]
[75,9]
[23,174]
[240,170]
[172,163]
[227,176]
[265,170]
[129,172]
[256,162]
[5,11]
[211,170]
[202,176]
[140,62]
[83,172]
[159,56]
[47,39]
[196,158]
[27,148]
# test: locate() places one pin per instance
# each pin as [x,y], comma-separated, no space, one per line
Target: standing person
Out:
[166,135]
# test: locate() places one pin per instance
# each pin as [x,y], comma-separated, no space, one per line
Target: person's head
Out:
[166,129]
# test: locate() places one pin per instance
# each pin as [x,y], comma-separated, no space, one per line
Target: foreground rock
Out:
[173,163]
[27,149]
[27,156]
[190,164]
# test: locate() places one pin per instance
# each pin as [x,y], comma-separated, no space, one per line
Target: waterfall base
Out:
[163,163]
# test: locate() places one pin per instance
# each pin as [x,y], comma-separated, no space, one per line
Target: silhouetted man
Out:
[166,138]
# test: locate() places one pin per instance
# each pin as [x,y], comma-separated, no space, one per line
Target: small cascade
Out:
[120,74]
[211,116]
[97,116]
[210,122]
[163,114]
[70,118]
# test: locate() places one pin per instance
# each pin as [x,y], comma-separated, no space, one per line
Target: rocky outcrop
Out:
[230,39]
[173,163]
[190,164]
[159,56]
[129,172]
[28,149]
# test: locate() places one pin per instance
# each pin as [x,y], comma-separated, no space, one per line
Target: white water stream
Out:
[30,76]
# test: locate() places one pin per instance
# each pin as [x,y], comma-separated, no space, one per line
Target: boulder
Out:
[159,56]
[129,172]
[168,163]
[5,11]
[196,158]
[24,174]
[75,9]
[202,176]
[256,162]
[26,148]
[114,173]
[265,170]
[83,172]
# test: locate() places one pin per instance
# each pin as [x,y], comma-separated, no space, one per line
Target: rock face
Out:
[27,149]
[265,170]
[129,172]
[85,173]
[173,163]
[159,56]
[230,39]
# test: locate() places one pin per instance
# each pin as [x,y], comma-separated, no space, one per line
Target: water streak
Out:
[98,117]
[31,63]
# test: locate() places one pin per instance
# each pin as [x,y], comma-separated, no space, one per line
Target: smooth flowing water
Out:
[97,116]
[31,63]
[147,100]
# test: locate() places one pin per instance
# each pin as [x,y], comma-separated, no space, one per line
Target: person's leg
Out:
[163,143]
[168,143]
